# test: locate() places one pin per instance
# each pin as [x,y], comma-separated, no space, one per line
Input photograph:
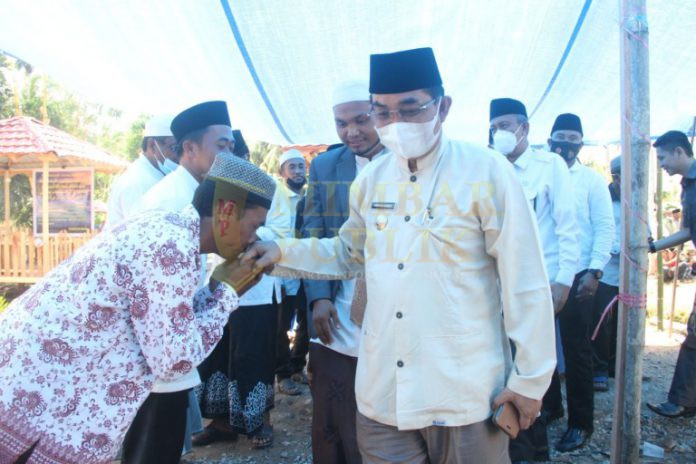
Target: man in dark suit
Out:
[334,349]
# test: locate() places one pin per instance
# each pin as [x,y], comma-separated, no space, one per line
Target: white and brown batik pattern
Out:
[79,351]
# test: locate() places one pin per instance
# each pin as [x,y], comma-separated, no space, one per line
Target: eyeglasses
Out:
[405,114]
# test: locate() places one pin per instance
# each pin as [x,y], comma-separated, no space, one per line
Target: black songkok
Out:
[240,147]
[198,117]
[567,121]
[503,106]
[404,71]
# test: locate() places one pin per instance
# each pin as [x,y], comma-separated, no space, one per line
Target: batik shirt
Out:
[79,351]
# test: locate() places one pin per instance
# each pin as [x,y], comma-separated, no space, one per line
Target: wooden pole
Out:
[660,276]
[635,141]
[6,192]
[44,219]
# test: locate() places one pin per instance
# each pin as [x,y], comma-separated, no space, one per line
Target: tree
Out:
[265,156]
[20,200]
[24,92]
[6,109]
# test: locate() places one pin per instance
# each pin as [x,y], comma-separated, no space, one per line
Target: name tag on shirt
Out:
[383,205]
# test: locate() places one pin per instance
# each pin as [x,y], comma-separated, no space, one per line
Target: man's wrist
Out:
[319,300]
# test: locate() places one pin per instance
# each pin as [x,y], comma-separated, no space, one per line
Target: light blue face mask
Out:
[167,165]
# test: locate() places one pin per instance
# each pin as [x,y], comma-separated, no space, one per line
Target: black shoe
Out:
[573,439]
[671,410]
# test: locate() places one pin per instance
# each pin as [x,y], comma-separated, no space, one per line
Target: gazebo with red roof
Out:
[27,145]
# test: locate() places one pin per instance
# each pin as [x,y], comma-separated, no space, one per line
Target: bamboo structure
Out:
[29,147]
[635,141]
[23,258]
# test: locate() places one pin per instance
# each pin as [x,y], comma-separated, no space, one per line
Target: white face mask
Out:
[505,141]
[167,165]
[409,140]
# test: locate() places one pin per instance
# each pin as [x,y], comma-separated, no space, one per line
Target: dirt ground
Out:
[292,416]
[292,421]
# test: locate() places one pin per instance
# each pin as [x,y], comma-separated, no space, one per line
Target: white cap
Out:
[290,154]
[351,91]
[159,126]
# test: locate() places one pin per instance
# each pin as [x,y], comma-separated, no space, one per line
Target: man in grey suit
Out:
[333,351]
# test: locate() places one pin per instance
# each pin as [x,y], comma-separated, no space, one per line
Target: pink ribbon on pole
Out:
[633,301]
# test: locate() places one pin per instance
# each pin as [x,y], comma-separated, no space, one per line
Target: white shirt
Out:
[594,216]
[128,188]
[174,193]
[547,186]
[611,270]
[434,347]
[346,340]
[361,161]
[262,293]
[281,220]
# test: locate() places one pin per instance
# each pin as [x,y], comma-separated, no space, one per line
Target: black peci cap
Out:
[200,116]
[567,121]
[503,106]
[403,71]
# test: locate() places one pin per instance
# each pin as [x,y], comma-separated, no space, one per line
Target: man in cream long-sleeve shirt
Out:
[545,181]
[448,243]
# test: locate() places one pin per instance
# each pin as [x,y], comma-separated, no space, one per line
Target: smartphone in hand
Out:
[508,419]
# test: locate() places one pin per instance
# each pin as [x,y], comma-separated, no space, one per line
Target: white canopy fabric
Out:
[276,62]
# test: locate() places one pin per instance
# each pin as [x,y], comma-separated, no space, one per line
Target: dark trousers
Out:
[289,362]
[575,320]
[531,444]
[604,346]
[156,435]
[334,438]
[237,377]
[683,389]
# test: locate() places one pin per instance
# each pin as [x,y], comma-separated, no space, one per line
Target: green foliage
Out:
[6,109]
[3,304]
[20,200]
[265,156]
[134,137]
[42,98]
[102,183]
[65,110]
